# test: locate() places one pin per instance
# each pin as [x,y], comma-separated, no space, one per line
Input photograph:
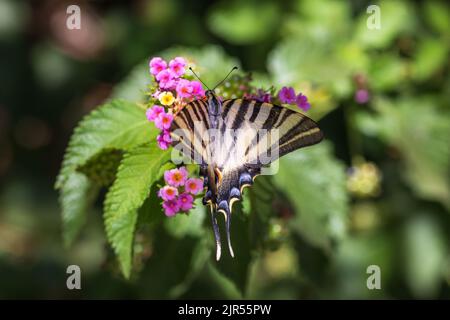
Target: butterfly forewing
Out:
[267,127]
[189,132]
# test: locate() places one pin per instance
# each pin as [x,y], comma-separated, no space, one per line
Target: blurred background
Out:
[381,96]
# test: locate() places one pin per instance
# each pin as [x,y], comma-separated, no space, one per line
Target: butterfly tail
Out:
[216,234]
[228,222]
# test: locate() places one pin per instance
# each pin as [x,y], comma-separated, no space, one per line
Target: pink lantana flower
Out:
[164,140]
[176,177]
[164,121]
[157,65]
[287,95]
[302,102]
[168,193]
[185,201]
[184,88]
[362,96]
[165,79]
[193,185]
[171,207]
[177,66]
[153,112]
[197,89]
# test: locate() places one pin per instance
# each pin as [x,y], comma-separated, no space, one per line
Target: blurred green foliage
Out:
[299,234]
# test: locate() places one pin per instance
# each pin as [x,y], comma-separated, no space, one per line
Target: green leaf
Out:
[236,269]
[438,16]
[76,196]
[327,20]
[102,167]
[426,251]
[151,212]
[139,169]
[322,70]
[133,86]
[304,58]
[115,125]
[173,265]
[415,119]
[314,181]
[430,57]
[177,241]
[260,208]
[350,263]
[240,23]
[387,71]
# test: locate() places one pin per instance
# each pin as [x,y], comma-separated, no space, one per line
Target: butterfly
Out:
[233,141]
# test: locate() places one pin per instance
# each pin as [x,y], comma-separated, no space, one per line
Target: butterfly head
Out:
[210,94]
[214,105]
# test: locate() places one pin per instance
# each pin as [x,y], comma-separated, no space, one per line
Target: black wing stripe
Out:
[285,113]
[305,139]
[226,107]
[268,124]
[303,125]
[184,120]
[203,110]
[187,145]
[237,122]
[274,114]
[196,108]
[256,110]
[188,116]
[241,114]
[198,119]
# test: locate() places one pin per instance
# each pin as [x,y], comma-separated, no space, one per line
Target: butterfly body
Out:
[232,141]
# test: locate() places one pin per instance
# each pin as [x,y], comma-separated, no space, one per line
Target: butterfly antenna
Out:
[198,78]
[234,68]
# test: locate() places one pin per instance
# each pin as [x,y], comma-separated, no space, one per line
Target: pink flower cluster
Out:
[178,194]
[287,95]
[169,77]
[172,90]
[162,121]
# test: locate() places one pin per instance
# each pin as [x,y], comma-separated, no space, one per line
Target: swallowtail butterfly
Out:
[228,138]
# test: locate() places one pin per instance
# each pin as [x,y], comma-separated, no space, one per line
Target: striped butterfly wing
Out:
[248,132]
[253,135]
[189,132]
